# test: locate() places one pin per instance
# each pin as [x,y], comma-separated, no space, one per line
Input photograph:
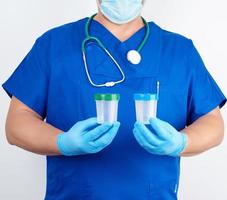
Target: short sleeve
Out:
[29,81]
[204,93]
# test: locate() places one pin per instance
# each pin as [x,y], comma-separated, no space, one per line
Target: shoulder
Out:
[172,39]
[65,32]
[174,44]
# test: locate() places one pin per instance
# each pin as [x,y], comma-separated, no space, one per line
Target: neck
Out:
[123,31]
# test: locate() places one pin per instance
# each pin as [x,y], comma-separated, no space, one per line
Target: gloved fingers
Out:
[144,143]
[151,138]
[160,127]
[140,139]
[107,138]
[147,146]
[98,131]
[85,124]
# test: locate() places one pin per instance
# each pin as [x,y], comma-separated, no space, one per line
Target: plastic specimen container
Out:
[107,107]
[146,107]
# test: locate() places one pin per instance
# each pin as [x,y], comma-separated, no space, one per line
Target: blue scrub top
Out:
[51,80]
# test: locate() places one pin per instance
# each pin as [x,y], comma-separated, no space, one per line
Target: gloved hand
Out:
[86,137]
[161,139]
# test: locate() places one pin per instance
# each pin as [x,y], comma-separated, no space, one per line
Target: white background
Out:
[22,174]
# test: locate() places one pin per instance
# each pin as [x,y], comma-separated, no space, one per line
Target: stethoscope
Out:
[133,56]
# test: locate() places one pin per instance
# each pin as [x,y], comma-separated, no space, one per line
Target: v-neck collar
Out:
[100,30]
[151,52]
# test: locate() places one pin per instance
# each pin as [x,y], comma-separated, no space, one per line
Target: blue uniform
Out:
[51,80]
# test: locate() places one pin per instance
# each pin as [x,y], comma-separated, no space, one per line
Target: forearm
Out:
[204,134]
[31,133]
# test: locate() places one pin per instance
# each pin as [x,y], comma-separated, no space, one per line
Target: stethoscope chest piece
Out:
[134,57]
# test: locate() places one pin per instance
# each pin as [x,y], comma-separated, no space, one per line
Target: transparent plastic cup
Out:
[146,107]
[107,107]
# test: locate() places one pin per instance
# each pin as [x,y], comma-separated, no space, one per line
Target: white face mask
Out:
[121,11]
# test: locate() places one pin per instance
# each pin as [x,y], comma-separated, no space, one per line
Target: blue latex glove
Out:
[86,137]
[161,139]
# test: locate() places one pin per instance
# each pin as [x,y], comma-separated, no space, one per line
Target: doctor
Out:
[112,161]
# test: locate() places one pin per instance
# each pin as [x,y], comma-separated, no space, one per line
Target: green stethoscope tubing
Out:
[88,37]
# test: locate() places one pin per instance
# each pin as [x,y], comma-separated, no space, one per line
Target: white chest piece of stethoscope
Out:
[133,56]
